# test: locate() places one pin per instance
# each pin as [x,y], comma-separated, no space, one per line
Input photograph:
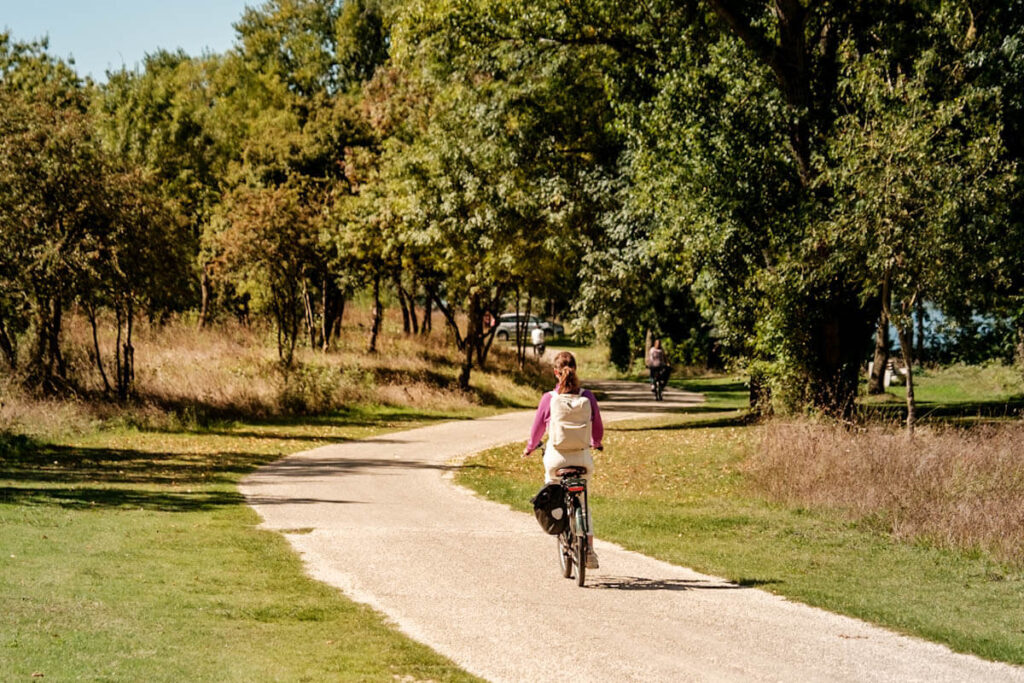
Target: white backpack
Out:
[570,422]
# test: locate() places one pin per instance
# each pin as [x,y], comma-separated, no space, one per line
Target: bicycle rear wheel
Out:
[581,560]
[565,555]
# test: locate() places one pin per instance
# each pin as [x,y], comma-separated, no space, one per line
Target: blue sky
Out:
[105,35]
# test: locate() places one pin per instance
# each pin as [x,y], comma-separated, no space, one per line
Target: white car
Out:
[507,326]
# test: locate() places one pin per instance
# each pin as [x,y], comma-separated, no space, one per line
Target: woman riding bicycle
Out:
[573,421]
[657,363]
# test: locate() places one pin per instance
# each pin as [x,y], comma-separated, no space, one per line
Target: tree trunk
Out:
[760,395]
[327,319]
[378,314]
[126,375]
[292,336]
[453,325]
[340,308]
[91,313]
[8,347]
[876,383]
[334,308]
[309,316]
[521,330]
[403,305]
[906,345]
[839,344]
[1020,345]
[204,289]
[56,322]
[414,321]
[428,311]
[472,339]
[46,366]
[37,360]
[487,335]
[118,368]
[279,319]
[919,339]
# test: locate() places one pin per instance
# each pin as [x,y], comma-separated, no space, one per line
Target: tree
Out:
[266,244]
[51,212]
[920,185]
[76,225]
[496,186]
[298,71]
[167,120]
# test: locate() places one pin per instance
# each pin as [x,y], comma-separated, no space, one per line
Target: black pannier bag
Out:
[549,509]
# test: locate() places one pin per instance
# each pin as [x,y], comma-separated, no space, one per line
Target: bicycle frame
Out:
[575,489]
[573,542]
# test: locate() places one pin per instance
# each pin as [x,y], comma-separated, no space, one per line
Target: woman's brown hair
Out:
[565,371]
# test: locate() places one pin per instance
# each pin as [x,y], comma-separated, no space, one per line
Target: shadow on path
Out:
[637,583]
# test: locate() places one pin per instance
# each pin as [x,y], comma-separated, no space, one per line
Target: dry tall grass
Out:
[229,370]
[957,488]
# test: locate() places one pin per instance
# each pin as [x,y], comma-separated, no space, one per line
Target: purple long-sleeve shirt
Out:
[543,417]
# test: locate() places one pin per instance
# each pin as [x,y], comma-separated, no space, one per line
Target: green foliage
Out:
[751,181]
[77,225]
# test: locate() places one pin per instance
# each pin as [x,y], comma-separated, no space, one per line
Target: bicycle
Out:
[572,542]
[660,381]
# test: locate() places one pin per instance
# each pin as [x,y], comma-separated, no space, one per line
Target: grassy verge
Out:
[960,393]
[721,393]
[130,555]
[678,489]
[127,551]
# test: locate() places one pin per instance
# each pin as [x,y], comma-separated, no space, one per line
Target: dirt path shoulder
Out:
[479,582]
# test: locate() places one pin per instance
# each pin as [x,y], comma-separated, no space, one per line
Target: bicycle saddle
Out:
[570,471]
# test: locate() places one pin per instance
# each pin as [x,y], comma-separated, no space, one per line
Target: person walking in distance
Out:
[537,339]
[571,417]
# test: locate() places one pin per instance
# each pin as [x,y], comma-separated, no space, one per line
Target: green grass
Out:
[675,489]
[130,555]
[720,392]
[591,361]
[960,384]
[961,392]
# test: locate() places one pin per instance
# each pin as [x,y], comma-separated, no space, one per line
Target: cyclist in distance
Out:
[656,362]
[572,419]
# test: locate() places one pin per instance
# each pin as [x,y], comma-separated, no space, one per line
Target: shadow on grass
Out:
[269,435]
[203,419]
[933,410]
[87,498]
[87,477]
[740,420]
[91,498]
[710,386]
[23,459]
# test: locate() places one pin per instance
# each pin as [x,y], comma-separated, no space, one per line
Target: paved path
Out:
[479,583]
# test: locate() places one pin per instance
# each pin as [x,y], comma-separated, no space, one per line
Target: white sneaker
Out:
[592,562]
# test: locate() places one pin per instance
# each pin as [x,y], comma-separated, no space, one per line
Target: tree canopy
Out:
[760,183]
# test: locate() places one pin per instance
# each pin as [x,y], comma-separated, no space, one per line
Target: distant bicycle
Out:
[572,542]
[660,382]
